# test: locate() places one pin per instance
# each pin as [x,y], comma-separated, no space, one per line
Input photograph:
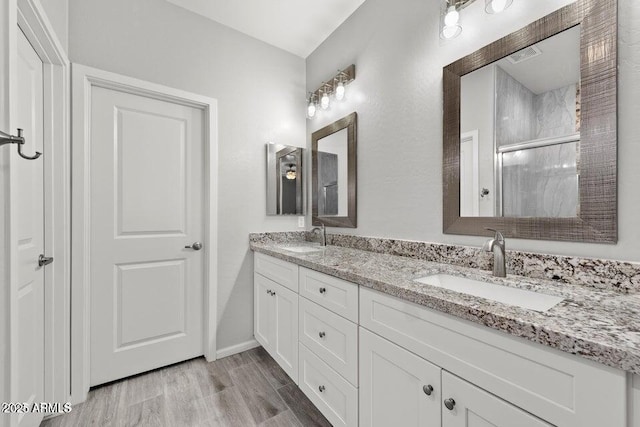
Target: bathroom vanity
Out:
[369,344]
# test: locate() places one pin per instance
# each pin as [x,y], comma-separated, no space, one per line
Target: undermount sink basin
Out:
[302,249]
[504,294]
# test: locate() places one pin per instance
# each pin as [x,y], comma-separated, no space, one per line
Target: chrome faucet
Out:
[496,245]
[323,233]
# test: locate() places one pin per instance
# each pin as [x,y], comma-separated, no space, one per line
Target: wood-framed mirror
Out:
[334,177]
[546,128]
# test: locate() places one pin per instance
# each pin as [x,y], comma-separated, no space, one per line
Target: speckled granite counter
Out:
[597,324]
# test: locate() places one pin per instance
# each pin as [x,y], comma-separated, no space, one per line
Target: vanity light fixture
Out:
[311,106]
[450,23]
[335,87]
[496,6]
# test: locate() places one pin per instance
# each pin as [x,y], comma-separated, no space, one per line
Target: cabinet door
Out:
[263,316]
[285,344]
[473,407]
[397,388]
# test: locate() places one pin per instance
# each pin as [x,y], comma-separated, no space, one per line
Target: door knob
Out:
[196,246]
[44,260]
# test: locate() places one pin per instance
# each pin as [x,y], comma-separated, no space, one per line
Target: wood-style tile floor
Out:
[246,389]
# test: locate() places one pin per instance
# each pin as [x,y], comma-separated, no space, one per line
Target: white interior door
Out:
[469,175]
[28,224]
[146,206]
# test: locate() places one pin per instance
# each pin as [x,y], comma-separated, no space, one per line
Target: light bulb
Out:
[324,101]
[340,91]
[497,6]
[452,31]
[311,109]
[452,17]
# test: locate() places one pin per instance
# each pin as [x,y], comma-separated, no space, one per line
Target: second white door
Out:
[146,214]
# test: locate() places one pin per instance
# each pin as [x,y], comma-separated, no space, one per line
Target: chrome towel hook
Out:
[5,138]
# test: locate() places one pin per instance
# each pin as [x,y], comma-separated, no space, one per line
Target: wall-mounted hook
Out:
[6,138]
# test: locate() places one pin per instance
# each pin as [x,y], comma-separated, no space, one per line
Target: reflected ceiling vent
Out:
[524,54]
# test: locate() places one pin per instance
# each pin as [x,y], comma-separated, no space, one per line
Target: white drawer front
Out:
[553,385]
[335,294]
[332,394]
[332,338]
[282,272]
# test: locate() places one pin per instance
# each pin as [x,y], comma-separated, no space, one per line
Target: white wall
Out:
[398,96]
[477,94]
[261,97]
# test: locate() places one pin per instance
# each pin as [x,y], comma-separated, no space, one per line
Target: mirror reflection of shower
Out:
[284,180]
[520,133]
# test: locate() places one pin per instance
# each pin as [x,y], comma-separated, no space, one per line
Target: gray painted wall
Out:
[398,96]
[58,13]
[261,97]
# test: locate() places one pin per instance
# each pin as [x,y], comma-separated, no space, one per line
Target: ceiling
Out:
[558,65]
[297,26]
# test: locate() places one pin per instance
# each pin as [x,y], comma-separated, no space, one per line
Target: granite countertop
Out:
[597,324]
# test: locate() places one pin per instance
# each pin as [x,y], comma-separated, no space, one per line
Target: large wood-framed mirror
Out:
[530,138]
[334,177]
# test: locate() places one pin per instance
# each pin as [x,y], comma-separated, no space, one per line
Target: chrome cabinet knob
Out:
[322,334]
[323,290]
[196,246]
[268,292]
[428,389]
[449,403]
[321,388]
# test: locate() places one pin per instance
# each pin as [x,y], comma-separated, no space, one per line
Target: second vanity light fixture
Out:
[451,26]
[335,87]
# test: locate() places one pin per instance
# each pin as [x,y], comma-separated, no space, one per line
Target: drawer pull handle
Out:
[428,389]
[322,334]
[321,388]
[323,290]
[449,403]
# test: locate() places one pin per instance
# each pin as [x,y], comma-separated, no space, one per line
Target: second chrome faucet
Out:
[497,246]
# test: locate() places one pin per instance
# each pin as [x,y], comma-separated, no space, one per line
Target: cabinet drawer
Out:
[332,394]
[335,294]
[553,385]
[282,272]
[332,338]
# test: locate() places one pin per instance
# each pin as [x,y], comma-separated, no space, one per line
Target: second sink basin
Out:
[504,294]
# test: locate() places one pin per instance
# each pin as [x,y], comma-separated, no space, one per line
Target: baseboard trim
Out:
[238,348]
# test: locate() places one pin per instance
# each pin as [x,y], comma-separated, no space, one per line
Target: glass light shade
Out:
[324,101]
[452,17]
[450,32]
[311,109]
[291,174]
[340,90]
[496,6]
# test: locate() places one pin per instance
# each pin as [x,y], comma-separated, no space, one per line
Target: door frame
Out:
[83,79]
[29,16]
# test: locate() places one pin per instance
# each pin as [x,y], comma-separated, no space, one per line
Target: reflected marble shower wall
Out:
[515,110]
[556,112]
[541,182]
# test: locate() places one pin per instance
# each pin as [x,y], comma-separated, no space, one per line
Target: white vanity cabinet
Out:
[365,358]
[276,312]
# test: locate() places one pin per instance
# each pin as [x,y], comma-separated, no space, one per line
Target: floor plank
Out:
[247,389]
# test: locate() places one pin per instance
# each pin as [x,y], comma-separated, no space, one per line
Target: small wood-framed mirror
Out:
[530,137]
[285,189]
[334,173]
